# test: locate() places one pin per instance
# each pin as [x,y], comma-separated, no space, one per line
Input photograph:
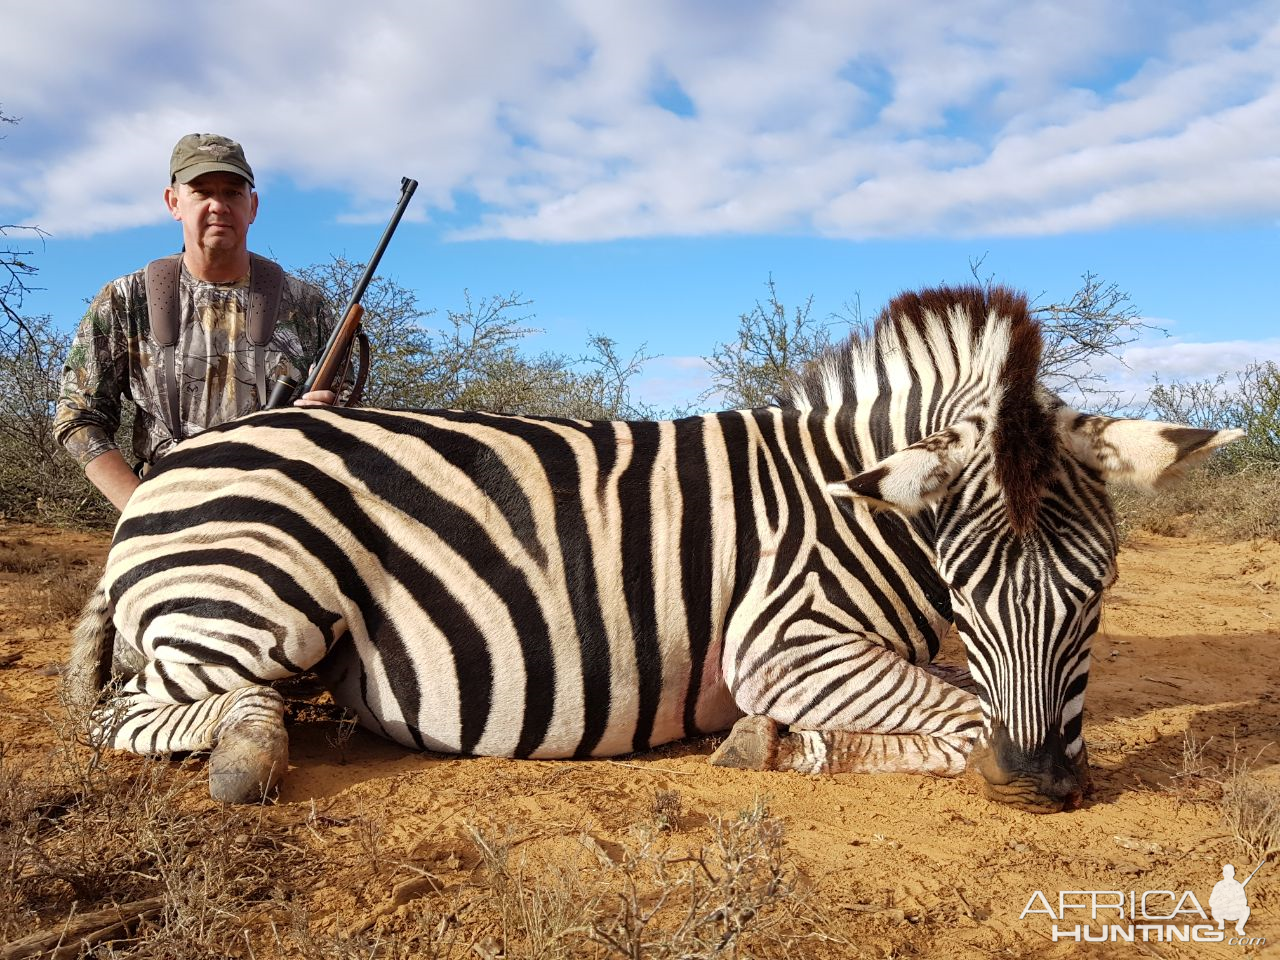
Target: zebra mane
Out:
[982,341]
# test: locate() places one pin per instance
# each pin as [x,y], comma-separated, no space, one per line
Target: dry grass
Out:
[703,903]
[1225,507]
[1197,776]
[50,584]
[425,935]
[17,555]
[123,857]
[1249,805]
[652,896]
[83,833]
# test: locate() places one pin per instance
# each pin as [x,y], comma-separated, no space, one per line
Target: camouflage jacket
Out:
[114,356]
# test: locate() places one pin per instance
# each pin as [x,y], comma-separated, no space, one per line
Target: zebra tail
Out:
[89,666]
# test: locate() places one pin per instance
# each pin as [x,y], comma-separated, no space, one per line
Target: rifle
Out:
[337,352]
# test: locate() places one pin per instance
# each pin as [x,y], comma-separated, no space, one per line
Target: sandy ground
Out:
[892,865]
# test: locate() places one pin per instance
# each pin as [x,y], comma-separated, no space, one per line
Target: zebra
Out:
[518,586]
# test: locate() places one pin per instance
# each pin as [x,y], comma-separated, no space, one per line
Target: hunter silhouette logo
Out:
[1228,900]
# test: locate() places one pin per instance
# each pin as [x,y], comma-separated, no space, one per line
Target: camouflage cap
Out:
[198,153]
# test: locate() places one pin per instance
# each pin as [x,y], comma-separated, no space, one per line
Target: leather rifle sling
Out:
[162,312]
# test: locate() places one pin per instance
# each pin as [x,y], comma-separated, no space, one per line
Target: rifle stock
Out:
[327,372]
[334,354]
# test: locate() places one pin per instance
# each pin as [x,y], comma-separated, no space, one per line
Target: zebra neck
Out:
[865,433]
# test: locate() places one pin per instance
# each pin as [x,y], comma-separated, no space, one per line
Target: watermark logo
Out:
[1228,900]
[1119,916]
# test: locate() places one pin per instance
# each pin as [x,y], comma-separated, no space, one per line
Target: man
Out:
[211,371]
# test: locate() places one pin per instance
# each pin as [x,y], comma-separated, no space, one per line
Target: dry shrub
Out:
[668,808]
[705,902]
[1196,776]
[1226,507]
[1249,805]
[1251,812]
[543,910]
[18,804]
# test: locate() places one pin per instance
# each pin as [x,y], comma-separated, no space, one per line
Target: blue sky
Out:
[640,170]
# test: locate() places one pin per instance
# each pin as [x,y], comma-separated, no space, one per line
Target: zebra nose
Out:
[1041,780]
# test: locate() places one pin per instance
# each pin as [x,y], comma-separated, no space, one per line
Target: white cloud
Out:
[672,384]
[1173,360]
[676,382]
[854,120]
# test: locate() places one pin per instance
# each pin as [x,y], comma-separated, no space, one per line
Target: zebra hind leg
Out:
[251,755]
[244,727]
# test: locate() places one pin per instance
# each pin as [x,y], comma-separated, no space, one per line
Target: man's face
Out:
[215,210]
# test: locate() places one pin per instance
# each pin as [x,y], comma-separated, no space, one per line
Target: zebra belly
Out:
[345,675]
[474,676]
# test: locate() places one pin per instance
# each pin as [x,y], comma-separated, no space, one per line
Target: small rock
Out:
[1133,843]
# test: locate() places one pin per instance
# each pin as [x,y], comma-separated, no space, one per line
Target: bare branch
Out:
[16,270]
[1099,320]
[474,360]
[770,348]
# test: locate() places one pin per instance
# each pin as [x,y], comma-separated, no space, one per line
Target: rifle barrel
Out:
[407,187]
[280,397]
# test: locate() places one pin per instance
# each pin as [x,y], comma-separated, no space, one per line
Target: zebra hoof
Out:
[248,763]
[752,744]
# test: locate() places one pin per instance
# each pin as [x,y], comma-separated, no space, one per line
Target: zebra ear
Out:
[1145,453]
[914,477]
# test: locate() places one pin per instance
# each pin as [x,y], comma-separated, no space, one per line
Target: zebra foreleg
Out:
[957,676]
[243,727]
[758,743]
[850,705]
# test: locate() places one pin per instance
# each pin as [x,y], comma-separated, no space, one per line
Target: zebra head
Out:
[948,417]
[1026,566]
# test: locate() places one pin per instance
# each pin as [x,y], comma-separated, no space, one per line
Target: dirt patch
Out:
[1184,684]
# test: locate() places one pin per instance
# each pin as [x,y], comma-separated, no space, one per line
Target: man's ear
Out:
[1145,453]
[916,476]
[171,201]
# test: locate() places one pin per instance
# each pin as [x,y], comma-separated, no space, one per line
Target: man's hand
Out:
[317,398]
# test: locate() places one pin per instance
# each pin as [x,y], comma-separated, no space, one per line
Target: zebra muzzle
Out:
[1040,781]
